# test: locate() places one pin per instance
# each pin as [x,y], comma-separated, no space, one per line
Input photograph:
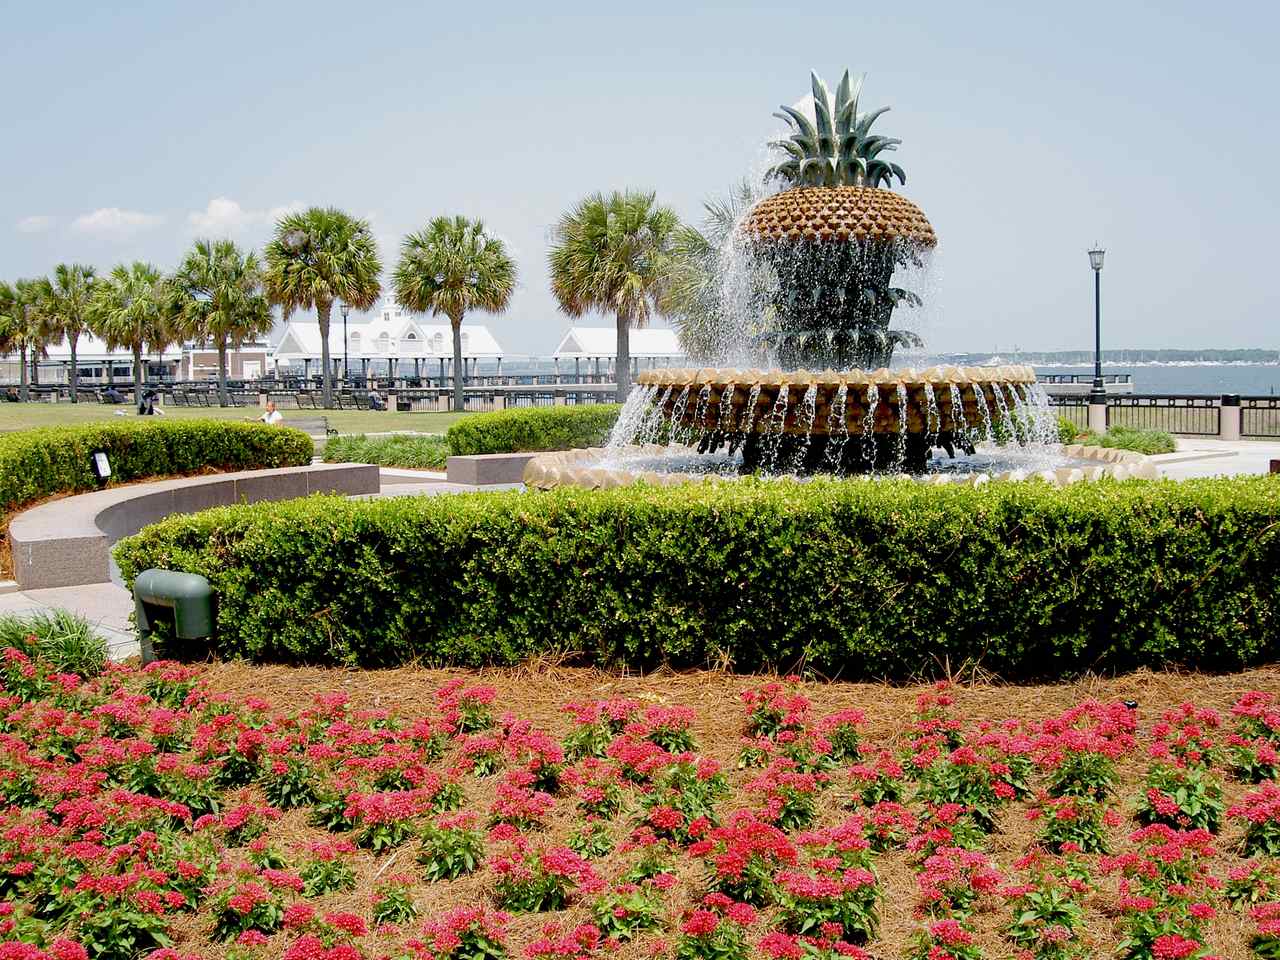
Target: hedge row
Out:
[537,428]
[429,452]
[39,463]
[885,579]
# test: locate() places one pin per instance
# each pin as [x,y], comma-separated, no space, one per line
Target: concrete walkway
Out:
[1211,457]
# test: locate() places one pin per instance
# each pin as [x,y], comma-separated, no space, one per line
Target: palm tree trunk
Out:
[322,314]
[622,365]
[222,372]
[459,399]
[137,373]
[74,380]
[24,392]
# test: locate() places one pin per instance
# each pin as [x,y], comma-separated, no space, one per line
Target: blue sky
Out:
[1030,131]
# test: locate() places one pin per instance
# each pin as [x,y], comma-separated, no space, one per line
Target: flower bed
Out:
[228,811]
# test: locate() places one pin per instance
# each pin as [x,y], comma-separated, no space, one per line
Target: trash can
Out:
[186,599]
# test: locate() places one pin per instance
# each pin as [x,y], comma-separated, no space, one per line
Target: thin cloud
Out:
[37,223]
[113,221]
[226,217]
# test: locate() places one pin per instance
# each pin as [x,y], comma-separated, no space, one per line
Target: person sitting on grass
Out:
[375,400]
[271,416]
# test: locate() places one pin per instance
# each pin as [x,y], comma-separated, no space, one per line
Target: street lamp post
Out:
[346,354]
[1097,395]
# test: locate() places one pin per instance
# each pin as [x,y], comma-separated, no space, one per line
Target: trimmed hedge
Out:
[855,579]
[398,450]
[535,428]
[40,463]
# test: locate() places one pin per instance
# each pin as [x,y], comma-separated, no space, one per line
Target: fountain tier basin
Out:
[849,421]
[601,468]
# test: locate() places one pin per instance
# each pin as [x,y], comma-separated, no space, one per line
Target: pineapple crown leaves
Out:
[835,147]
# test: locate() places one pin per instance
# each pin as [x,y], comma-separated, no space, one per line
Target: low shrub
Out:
[538,428]
[1129,438]
[424,453]
[65,640]
[40,463]
[1067,431]
[849,578]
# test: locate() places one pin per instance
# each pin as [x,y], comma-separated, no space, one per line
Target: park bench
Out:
[314,427]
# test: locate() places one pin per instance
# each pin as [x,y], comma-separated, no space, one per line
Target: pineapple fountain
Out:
[827,399]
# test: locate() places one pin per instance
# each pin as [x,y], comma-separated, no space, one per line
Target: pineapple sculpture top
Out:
[839,175]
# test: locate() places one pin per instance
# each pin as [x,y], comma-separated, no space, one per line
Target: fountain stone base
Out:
[843,422]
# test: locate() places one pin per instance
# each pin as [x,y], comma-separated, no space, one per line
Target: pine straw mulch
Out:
[537,692]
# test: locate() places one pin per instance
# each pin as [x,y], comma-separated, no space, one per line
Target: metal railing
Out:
[1074,408]
[1188,414]
[1083,378]
[1260,417]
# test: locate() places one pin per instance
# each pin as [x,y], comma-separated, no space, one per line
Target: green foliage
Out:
[449,852]
[1184,798]
[423,453]
[39,463]
[453,267]
[610,253]
[325,876]
[65,641]
[538,428]
[835,148]
[884,579]
[1128,438]
[1067,431]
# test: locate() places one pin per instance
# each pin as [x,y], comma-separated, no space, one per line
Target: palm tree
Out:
[316,257]
[220,296]
[66,307]
[449,268]
[130,307]
[23,326]
[693,294]
[609,253]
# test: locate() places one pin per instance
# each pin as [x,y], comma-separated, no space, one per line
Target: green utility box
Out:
[186,598]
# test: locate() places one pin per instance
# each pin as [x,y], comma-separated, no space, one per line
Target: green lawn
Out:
[23,416]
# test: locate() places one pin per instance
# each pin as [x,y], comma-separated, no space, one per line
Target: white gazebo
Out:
[652,346]
[388,341]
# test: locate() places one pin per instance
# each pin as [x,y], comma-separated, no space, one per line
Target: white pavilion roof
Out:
[603,342]
[394,334]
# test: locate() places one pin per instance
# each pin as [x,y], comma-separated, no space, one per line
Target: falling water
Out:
[632,417]
[677,418]
[959,425]
[749,413]
[933,420]
[900,439]
[700,416]
[869,424]
[653,421]
[1047,424]
[776,427]
[837,429]
[980,396]
[805,417]
[1007,429]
